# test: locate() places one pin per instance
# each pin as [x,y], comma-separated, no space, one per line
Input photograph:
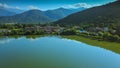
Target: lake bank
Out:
[113,46]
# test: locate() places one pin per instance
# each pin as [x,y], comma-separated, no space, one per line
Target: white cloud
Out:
[32,7]
[17,7]
[4,5]
[79,5]
[85,5]
[8,6]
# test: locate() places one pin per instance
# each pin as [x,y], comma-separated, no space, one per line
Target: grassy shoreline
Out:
[113,46]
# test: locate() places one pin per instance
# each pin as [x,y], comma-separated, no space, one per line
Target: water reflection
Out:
[54,52]
[5,40]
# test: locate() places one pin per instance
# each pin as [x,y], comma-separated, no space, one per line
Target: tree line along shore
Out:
[100,33]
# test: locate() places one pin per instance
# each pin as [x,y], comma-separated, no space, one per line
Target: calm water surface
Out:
[54,52]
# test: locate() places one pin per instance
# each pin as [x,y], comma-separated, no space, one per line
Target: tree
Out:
[69,32]
[28,32]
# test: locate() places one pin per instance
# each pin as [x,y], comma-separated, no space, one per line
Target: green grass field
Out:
[113,46]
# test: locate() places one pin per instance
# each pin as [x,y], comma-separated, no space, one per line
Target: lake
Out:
[53,52]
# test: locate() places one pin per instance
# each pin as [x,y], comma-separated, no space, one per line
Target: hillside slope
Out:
[109,13]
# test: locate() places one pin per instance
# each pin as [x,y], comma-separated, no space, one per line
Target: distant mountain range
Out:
[4,12]
[38,16]
[109,13]
[61,12]
[9,11]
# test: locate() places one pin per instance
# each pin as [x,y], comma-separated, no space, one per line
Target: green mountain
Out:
[61,12]
[109,13]
[38,16]
[32,16]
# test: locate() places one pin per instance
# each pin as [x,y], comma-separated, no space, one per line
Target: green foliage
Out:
[68,32]
[20,29]
[28,32]
[109,37]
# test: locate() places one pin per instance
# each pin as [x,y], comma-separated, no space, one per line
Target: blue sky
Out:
[51,4]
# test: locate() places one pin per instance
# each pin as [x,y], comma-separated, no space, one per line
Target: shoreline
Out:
[112,46]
